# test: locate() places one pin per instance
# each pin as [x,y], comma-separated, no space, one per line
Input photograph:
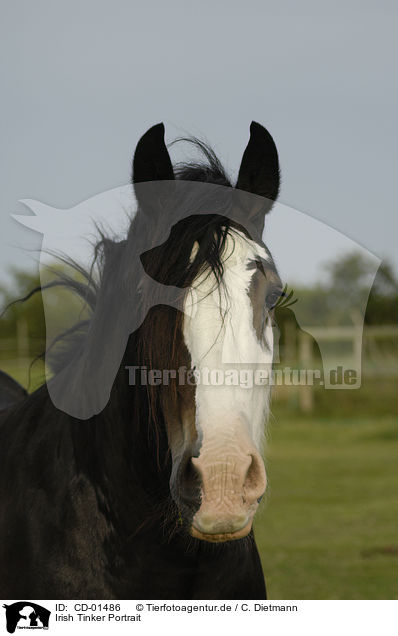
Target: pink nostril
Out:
[255,480]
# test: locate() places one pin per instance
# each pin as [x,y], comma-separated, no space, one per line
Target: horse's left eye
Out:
[272,299]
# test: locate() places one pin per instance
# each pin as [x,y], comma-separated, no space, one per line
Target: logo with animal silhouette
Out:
[26,615]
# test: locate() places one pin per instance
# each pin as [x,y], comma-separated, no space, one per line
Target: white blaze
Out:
[220,336]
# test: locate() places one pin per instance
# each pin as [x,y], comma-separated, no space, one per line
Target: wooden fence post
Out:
[306,397]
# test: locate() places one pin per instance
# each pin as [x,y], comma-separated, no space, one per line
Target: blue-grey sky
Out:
[81,81]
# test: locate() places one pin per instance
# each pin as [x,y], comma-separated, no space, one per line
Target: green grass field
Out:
[328,528]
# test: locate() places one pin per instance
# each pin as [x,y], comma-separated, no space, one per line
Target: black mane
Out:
[209,171]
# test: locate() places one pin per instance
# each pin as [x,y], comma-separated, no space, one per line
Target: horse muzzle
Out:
[231,486]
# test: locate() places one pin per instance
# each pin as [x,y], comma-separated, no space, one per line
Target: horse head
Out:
[207,244]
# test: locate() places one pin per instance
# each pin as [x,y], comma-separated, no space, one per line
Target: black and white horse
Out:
[153,495]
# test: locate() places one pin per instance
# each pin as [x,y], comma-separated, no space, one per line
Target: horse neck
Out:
[128,458]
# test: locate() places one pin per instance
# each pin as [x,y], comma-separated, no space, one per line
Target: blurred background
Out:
[81,82]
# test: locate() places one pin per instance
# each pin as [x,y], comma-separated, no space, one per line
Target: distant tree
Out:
[336,301]
[14,312]
[382,306]
[350,279]
[19,306]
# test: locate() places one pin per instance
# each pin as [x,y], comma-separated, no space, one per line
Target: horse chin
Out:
[221,537]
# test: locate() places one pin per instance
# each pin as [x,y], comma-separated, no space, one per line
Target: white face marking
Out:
[219,334]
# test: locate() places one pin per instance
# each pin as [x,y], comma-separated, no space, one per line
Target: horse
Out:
[151,491]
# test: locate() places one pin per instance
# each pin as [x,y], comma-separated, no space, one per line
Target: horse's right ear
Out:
[151,159]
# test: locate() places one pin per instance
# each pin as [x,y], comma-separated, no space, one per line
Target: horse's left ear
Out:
[259,170]
[151,159]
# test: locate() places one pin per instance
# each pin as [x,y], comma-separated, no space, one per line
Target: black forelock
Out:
[209,171]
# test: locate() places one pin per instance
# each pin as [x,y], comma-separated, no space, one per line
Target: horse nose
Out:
[185,487]
[255,480]
[230,489]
